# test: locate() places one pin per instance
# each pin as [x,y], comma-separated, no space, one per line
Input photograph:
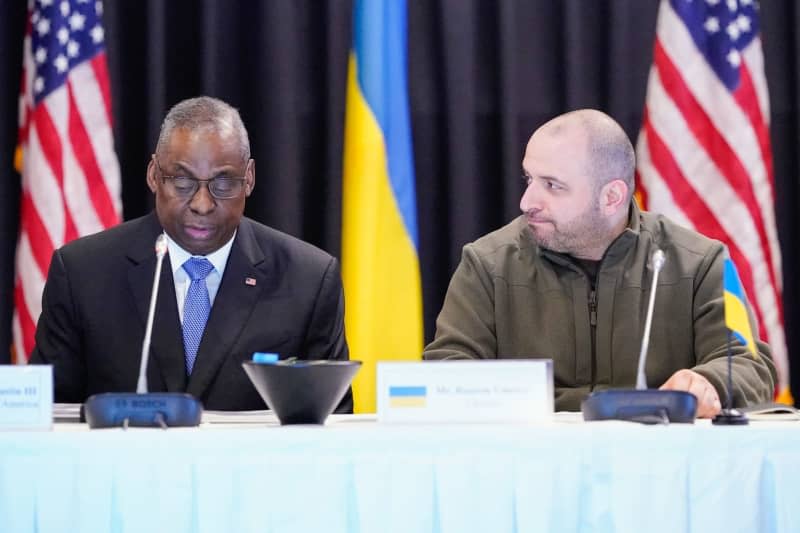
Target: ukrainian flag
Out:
[380,265]
[736,318]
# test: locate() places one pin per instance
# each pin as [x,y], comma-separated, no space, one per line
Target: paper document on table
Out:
[771,412]
[264,416]
[359,418]
[67,412]
[568,417]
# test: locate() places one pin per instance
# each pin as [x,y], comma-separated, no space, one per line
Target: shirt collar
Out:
[178,256]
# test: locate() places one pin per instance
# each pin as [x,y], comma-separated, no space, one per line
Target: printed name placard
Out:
[465,391]
[26,397]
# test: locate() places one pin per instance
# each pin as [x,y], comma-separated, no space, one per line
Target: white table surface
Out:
[354,474]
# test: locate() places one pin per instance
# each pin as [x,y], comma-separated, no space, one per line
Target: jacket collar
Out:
[620,246]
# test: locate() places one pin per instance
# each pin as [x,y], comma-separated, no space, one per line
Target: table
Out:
[355,474]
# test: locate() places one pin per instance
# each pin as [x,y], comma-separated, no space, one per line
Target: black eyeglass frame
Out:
[209,183]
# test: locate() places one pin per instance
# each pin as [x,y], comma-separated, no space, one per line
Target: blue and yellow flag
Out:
[736,318]
[380,265]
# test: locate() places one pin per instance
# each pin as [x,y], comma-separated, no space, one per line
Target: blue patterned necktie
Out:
[196,307]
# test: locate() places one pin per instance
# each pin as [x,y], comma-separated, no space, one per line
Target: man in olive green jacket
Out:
[570,279]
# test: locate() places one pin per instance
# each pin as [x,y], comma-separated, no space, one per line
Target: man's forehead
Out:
[562,155]
[183,140]
[202,133]
[194,150]
[547,143]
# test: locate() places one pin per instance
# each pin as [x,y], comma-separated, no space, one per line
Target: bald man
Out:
[569,280]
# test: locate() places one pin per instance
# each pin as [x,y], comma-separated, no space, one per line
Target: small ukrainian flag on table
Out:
[736,318]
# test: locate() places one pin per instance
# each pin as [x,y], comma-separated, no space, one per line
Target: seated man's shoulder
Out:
[114,241]
[285,246]
[667,232]
[504,240]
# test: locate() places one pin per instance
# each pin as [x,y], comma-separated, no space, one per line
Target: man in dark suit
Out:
[229,285]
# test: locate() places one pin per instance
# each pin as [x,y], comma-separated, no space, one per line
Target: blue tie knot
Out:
[198,268]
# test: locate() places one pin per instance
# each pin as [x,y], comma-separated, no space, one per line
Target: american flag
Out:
[704,156]
[70,173]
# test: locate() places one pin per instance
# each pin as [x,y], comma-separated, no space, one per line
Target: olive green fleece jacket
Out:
[510,298]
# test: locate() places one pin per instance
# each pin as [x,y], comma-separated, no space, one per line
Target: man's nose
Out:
[202,202]
[530,198]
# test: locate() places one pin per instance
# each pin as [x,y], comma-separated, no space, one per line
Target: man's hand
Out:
[708,404]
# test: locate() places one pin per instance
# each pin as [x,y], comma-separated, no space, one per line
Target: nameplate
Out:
[26,397]
[465,391]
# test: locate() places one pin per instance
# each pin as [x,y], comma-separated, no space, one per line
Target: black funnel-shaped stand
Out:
[299,391]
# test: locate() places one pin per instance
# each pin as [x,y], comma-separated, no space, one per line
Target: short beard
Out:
[580,237]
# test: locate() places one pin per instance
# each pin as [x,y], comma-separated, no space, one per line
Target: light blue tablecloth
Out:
[366,477]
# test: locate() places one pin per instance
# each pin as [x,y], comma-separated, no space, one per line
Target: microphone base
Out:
[730,417]
[647,406]
[129,409]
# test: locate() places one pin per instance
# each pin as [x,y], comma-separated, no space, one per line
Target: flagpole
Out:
[730,416]
[729,401]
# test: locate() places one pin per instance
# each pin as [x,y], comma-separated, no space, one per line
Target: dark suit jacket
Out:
[96,298]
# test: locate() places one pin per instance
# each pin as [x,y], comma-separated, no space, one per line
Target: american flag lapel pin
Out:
[250,281]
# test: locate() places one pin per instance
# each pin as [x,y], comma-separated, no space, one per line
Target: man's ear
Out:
[613,197]
[152,180]
[250,177]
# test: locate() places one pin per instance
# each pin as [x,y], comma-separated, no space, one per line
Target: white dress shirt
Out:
[178,256]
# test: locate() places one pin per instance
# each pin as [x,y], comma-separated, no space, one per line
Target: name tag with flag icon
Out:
[465,391]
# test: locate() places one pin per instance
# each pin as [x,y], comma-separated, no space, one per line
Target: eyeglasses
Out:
[220,187]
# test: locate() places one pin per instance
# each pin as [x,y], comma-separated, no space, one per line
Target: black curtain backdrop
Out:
[482,76]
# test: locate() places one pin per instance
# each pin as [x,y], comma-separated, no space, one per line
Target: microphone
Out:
[647,406]
[656,261]
[144,409]
[161,251]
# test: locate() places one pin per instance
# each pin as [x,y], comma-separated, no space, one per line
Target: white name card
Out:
[465,391]
[26,397]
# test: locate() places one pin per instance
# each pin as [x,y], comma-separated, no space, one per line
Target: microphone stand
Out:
[142,408]
[161,251]
[647,406]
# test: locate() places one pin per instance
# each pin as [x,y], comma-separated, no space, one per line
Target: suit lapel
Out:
[166,346]
[232,307]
